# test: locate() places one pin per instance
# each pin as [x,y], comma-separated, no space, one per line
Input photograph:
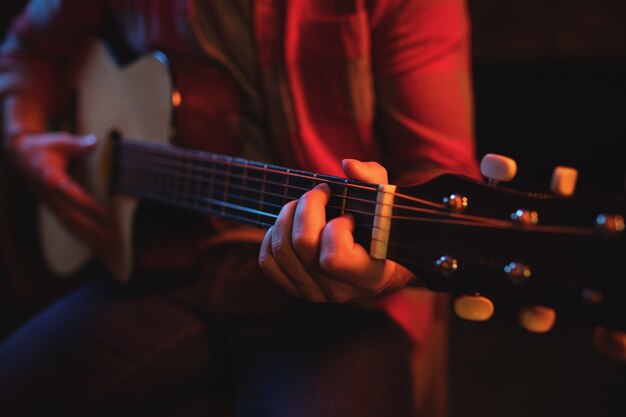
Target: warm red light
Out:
[176,98]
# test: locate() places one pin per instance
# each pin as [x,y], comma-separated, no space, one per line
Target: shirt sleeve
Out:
[35,55]
[421,63]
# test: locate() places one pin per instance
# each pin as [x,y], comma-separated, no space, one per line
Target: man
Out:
[318,82]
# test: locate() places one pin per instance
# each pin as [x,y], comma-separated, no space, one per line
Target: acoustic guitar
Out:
[455,234]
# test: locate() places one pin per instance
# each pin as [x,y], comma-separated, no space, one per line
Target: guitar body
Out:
[134,102]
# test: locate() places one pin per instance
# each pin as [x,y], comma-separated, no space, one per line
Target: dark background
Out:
[550,89]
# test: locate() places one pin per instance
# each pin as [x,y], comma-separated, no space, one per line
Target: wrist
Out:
[13,139]
[22,116]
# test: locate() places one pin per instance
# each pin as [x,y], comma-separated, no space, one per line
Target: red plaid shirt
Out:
[385,80]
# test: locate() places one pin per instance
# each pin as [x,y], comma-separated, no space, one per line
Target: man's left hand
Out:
[319,260]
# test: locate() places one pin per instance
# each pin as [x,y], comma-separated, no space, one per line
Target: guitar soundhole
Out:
[110,154]
[115,135]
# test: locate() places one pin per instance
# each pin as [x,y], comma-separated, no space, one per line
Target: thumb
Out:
[364,171]
[71,145]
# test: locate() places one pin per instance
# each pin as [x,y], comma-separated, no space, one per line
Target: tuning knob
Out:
[498,168]
[537,319]
[473,307]
[564,181]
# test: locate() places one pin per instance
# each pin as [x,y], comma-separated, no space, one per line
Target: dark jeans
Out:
[156,350]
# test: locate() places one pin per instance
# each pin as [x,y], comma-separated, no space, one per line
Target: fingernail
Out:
[323,187]
[345,162]
[89,140]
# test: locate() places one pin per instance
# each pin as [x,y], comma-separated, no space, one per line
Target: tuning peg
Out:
[498,168]
[537,319]
[473,307]
[611,343]
[564,181]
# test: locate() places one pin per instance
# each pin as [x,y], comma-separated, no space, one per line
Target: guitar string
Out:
[494,224]
[230,161]
[168,165]
[164,150]
[360,236]
[199,156]
[156,193]
[245,178]
[191,176]
[468,219]
[287,186]
[363,238]
[241,197]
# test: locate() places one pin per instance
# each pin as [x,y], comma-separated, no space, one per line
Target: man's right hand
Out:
[42,161]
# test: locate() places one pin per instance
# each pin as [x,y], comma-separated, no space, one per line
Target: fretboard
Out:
[233,188]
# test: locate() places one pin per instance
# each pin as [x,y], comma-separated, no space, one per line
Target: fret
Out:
[231,187]
[297,185]
[213,173]
[255,188]
[274,189]
[335,206]
[200,181]
[244,193]
[361,199]
[171,169]
[235,184]
[198,176]
[292,192]
[141,175]
[362,205]
[286,198]
[225,189]
[344,197]
[263,187]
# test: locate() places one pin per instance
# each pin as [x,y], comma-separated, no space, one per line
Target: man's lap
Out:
[111,349]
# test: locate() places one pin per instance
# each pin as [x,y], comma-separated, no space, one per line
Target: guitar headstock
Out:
[554,249]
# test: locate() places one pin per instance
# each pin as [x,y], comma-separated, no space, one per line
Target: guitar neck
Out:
[233,188]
